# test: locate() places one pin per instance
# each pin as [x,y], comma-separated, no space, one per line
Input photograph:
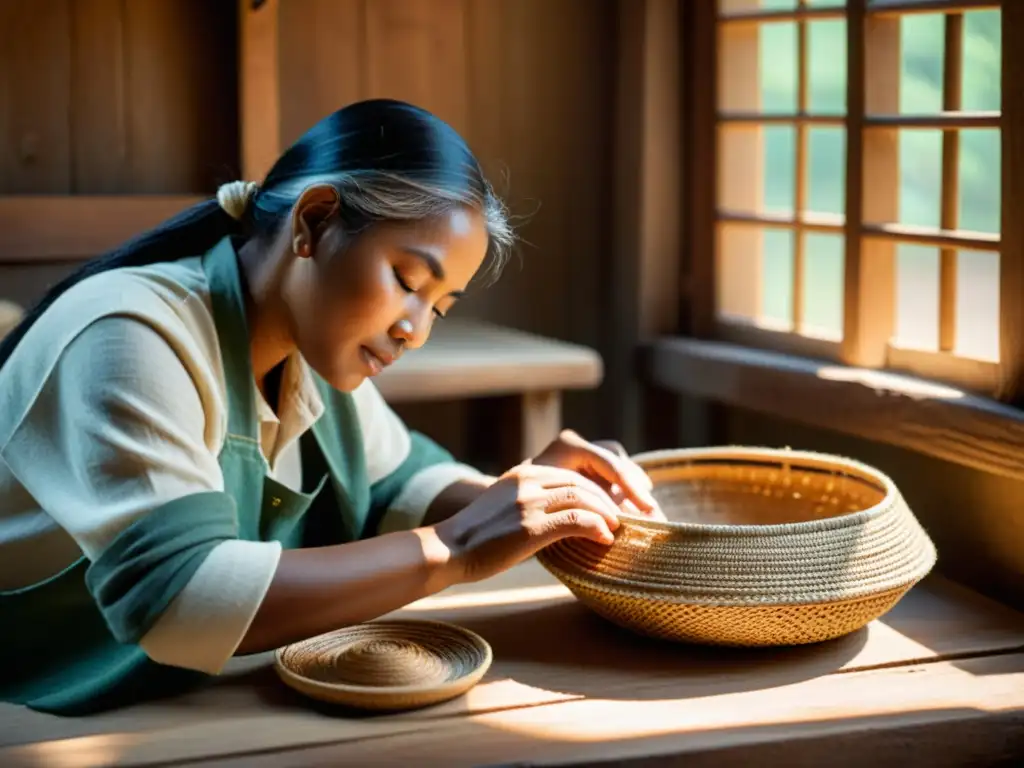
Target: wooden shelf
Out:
[932,419]
[41,228]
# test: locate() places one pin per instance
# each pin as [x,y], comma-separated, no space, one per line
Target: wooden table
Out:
[474,359]
[939,681]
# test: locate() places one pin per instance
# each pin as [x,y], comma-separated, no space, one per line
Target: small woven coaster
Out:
[386,665]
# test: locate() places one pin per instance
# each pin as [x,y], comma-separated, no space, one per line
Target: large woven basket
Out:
[386,665]
[765,547]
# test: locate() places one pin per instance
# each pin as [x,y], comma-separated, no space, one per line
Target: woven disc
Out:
[386,665]
[763,547]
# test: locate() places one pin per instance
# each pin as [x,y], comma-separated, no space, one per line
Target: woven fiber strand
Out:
[386,665]
[764,547]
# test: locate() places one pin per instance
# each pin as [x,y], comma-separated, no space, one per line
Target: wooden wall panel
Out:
[100,142]
[415,51]
[182,95]
[110,96]
[331,35]
[530,84]
[35,72]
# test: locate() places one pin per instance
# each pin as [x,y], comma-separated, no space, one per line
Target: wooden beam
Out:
[1011,263]
[645,282]
[701,191]
[872,186]
[36,228]
[259,83]
[941,121]
[929,418]
[953,70]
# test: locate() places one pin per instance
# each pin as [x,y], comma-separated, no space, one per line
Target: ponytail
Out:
[190,233]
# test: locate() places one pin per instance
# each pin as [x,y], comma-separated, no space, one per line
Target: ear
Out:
[310,217]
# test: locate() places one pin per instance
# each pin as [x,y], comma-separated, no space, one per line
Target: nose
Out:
[413,330]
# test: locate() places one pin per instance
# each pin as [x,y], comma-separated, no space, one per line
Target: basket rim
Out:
[474,639]
[770,455]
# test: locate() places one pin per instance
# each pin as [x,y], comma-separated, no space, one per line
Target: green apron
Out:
[69,643]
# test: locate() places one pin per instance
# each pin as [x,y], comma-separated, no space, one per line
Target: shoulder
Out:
[134,323]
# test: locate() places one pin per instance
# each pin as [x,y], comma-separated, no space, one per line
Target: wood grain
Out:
[593,682]
[940,715]
[932,419]
[331,33]
[35,92]
[44,228]
[1011,258]
[645,272]
[259,87]
[465,358]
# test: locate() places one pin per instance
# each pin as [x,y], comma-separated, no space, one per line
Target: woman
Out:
[195,462]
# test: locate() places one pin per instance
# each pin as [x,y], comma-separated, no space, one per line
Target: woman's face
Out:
[358,303]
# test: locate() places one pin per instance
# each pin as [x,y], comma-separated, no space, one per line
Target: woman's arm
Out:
[317,590]
[455,497]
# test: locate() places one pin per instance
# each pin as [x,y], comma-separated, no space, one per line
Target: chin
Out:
[347,382]
[341,378]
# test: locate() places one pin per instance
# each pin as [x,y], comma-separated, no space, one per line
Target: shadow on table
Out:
[561,646]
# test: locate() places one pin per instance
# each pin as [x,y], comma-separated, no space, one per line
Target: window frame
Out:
[871,122]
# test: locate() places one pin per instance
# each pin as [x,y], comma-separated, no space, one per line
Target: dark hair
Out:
[389,160]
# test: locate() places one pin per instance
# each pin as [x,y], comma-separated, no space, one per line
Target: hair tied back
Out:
[234,197]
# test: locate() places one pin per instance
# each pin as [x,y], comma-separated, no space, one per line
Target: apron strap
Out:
[221,266]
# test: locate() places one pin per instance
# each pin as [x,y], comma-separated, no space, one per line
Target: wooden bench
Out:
[473,359]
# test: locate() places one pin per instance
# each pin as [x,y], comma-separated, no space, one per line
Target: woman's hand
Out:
[606,463]
[543,500]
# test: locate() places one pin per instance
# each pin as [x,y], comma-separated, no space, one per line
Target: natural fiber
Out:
[764,547]
[386,665]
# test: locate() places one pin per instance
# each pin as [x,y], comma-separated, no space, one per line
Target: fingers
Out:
[629,508]
[576,522]
[612,445]
[585,498]
[558,479]
[614,469]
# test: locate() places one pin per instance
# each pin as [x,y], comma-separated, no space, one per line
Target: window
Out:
[857,186]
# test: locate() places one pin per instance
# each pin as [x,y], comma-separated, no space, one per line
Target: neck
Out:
[270,338]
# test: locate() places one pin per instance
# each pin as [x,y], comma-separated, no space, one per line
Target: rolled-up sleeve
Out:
[407,470]
[114,450]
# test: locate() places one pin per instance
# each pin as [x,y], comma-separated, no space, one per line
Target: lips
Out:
[376,361]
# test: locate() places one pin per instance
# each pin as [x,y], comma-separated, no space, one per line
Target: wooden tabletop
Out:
[466,358]
[942,673]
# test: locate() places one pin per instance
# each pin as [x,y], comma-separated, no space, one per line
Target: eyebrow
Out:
[433,265]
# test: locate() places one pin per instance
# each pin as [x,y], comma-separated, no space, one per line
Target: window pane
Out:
[823,286]
[977,305]
[777,279]
[779,168]
[917,297]
[756,167]
[738,280]
[826,59]
[920,177]
[826,3]
[922,40]
[778,68]
[980,177]
[982,71]
[826,170]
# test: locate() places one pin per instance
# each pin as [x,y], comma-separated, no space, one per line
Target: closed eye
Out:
[401,280]
[408,289]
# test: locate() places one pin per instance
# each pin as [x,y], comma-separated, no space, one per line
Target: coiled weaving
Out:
[764,547]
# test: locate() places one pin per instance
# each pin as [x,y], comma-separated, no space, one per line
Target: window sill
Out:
[932,419]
